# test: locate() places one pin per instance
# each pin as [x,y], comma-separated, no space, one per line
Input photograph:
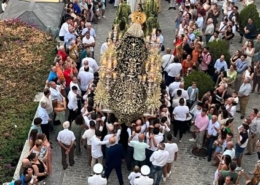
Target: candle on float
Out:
[114,75]
[152,60]
[144,78]
[147,38]
[110,35]
[158,67]
[139,77]
[102,75]
[147,66]
[114,63]
[152,69]
[109,65]
[104,62]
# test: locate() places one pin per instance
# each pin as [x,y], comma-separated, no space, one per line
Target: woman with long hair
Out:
[60,109]
[47,145]
[39,168]
[77,127]
[249,50]
[256,78]
[32,137]
[223,165]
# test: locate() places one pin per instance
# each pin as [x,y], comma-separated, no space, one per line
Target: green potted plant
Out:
[204,82]
[247,12]
[216,49]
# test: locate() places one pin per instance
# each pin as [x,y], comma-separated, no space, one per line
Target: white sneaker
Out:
[238,168]
[163,178]
[168,174]
[175,138]
[180,141]
[192,140]
[104,16]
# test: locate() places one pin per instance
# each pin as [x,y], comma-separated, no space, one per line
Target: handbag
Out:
[162,48]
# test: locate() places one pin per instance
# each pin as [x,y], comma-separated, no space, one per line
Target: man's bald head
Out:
[112,140]
[181,85]
[141,137]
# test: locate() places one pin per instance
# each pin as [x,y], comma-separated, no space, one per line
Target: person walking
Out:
[201,124]
[114,158]
[159,159]
[243,95]
[172,148]
[66,140]
[180,114]
[97,179]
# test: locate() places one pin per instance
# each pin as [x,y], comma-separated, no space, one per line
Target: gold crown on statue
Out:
[138,17]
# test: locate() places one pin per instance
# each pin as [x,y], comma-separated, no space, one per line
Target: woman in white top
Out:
[249,73]
[182,27]
[4,4]
[249,50]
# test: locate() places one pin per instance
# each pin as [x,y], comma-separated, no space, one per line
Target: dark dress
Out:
[41,170]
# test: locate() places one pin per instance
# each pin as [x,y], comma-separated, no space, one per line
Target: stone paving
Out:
[188,169]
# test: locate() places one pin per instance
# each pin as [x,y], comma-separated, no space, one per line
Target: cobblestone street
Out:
[188,169]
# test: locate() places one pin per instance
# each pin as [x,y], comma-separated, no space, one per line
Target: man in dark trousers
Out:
[114,158]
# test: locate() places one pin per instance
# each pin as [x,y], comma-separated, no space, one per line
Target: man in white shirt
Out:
[153,141]
[180,114]
[174,85]
[89,29]
[88,134]
[184,93]
[43,114]
[97,179]
[47,98]
[89,41]
[209,31]
[173,70]
[172,148]
[230,106]
[85,77]
[112,133]
[55,91]
[91,62]
[65,28]
[144,178]
[159,159]
[66,140]
[212,134]
[73,103]
[175,101]
[85,64]
[96,151]
[167,59]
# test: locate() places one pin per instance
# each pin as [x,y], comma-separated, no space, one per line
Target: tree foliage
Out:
[247,12]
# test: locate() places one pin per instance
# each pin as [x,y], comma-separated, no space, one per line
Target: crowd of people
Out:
[148,146]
